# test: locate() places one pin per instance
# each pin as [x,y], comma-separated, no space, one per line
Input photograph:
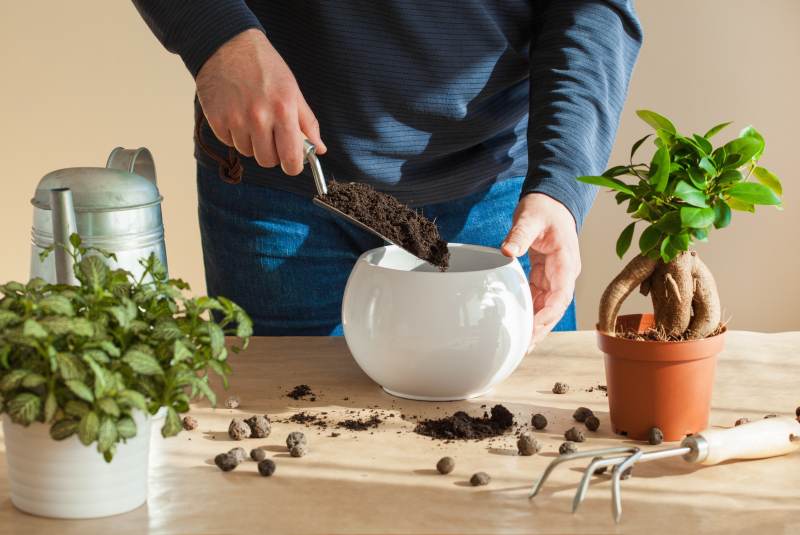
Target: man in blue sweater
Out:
[480,113]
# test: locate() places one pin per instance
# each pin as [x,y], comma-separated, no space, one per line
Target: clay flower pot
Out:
[658,384]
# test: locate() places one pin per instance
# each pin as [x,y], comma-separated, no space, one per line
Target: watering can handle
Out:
[137,161]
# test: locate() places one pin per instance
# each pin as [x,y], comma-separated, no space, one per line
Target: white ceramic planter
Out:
[66,479]
[423,334]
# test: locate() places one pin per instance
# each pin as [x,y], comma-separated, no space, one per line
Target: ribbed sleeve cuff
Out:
[576,196]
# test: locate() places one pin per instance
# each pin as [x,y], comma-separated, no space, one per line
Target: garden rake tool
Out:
[769,437]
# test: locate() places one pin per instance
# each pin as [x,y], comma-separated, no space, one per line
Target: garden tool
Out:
[116,208]
[769,437]
[310,156]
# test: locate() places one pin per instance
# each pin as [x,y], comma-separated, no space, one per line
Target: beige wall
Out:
[82,77]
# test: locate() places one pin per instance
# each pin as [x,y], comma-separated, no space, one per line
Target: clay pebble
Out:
[260,426]
[232,402]
[567,447]
[479,479]
[538,421]
[266,467]
[592,423]
[299,450]
[238,429]
[560,388]
[574,434]
[655,436]
[226,462]
[294,438]
[581,414]
[445,465]
[527,445]
[189,423]
[239,453]
[258,455]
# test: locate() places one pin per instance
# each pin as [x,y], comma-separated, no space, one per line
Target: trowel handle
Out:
[769,437]
[310,156]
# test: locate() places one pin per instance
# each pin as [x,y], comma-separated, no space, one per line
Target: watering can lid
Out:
[105,188]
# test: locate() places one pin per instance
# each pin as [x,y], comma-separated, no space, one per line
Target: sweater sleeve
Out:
[195,29]
[582,55]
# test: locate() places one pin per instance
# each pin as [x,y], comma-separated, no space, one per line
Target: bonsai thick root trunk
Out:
[683,291]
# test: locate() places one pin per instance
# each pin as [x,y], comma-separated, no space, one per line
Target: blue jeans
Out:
[286,261]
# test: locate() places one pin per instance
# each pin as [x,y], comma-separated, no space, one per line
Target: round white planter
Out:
[65,479]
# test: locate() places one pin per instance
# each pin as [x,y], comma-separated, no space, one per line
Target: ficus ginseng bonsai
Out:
[688,188]
[83,358]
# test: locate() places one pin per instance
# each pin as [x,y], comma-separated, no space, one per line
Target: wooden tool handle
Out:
[769,437]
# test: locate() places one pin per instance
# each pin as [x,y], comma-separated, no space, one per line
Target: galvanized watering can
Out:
[116,208]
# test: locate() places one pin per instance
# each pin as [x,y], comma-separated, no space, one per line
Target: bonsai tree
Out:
[83,358]
[688,188]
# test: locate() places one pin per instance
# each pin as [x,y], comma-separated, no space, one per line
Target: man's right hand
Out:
[252,102]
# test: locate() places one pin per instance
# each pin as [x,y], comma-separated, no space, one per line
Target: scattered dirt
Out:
[538,421]
[592,423]
[770,416]
[358,424]
[479,479]
[655,436]
[465,427]
[445,465]
[660,335]
[560,388]
[741,421]
[300,392]
[396,221]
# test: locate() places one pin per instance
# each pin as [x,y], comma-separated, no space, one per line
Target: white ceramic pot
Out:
[65,479]
[423,334]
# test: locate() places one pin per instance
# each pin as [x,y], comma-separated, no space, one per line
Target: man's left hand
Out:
[546,230]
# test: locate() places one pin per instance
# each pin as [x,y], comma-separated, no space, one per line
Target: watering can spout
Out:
[63,215]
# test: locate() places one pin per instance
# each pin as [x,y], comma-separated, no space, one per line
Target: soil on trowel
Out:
[384,213]
[465,427]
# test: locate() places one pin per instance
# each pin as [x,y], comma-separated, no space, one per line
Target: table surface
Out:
[384,481]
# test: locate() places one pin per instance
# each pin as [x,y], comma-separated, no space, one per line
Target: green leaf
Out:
[63,429]
[711,133]
[110,348]
[108,406]
[126,427]
[656,121]
[80,389]
[167,329]
[766,177]
[216,338]
[740,206]
[244,325]
[703,143]
[81,327]
[172,424]
[666,250]
[722,214]
[729,176]
[120,314]
[75,240]
[708,166]
[624,240]
[697,178]
[638,144]
[32,329]
[88,428]
[696,217]
[134,399]
[93,270]
[142,363]
[751,132]
[24,408]
[69,366]
[101,379]
[12,380]
[690,194]
[106,435]
[649,238]
[76,408]
[202,385]
[57,304]
[180,352]
[607,182]
[96,355]
[8,318]
[753,193]
[744,149]
[50,406]
[700,234]
[660,163]
[669,223]
[680,242]
[32,380]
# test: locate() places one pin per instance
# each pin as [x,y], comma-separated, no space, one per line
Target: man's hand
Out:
[546,229]
[252,102]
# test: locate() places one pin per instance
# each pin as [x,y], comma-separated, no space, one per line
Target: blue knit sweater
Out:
[431,100]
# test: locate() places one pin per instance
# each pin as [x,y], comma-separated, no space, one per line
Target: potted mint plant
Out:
[660,366]
[82,369]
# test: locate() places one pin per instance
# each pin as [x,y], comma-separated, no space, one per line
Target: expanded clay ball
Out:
[581,414]
[527,445]
[266,467]
[560,388]
[299,450]
[294,438]
[239,453]
[258,455]
[189,423]
[574,434]
[592,423]
[655,436]
[238,430]
[479,479]
[741,421]
[445,465]
[259,426]
[601,470]
[567,447]
[539,421]
[226,462]
[232,402]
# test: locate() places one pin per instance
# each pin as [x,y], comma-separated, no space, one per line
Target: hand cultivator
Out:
[755,440]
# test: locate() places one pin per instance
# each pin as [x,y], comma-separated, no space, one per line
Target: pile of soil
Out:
[465,427]
[359,424]
[384,213]
[300,392]
[654,334]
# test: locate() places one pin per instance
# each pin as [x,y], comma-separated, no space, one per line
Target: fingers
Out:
[552,287]
[289,142]
[522,234]
[310,126]
[555,304]
[242,142]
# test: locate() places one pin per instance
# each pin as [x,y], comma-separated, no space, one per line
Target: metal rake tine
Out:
[583,487]
[616,492]
[570,457]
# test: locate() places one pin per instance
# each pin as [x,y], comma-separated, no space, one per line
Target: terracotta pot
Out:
[658,384]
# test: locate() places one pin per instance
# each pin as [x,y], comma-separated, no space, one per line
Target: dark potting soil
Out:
[358,424]
[300,392]
[391,218]
[465,427]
